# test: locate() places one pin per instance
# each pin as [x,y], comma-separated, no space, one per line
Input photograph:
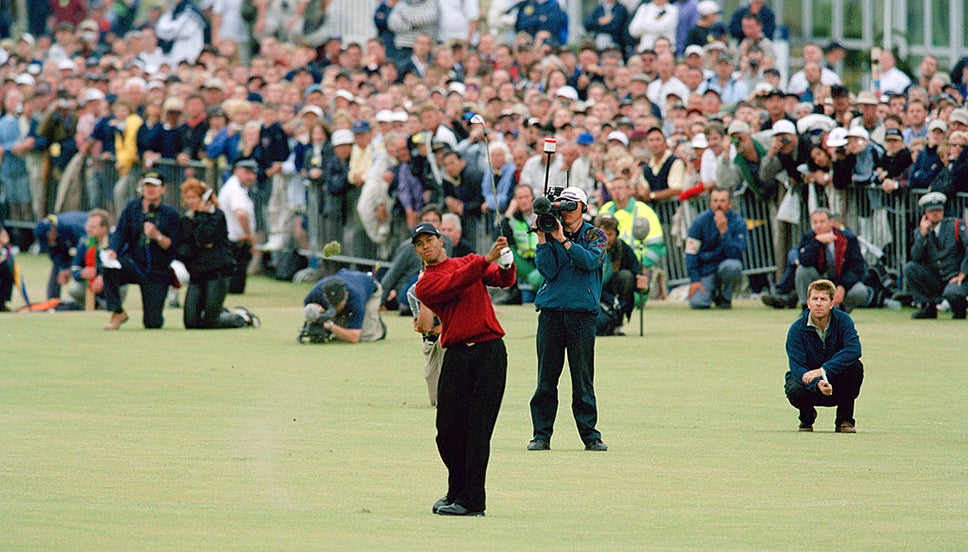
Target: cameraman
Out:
[347,304]
[570,260]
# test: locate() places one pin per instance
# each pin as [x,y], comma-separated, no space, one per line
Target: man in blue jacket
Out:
[57,235]
[824,353]
[832,253]
[714,253]
[570,261]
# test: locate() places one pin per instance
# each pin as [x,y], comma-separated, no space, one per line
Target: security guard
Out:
[938,260]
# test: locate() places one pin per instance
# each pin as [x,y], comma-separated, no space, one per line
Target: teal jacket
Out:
[572,277]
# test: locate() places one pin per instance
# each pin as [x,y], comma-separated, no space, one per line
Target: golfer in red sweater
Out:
[475,363]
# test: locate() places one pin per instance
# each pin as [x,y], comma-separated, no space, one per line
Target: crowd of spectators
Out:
[671,97]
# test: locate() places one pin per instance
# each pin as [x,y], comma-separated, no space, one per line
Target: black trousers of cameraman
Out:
[242,254]
[561,332]
[469,395]
[154,289]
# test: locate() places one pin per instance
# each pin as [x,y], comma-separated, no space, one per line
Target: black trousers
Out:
[154,289]
[622,285]
[469,396]
[203,306]
[846,389]
[561,332]
[242,254]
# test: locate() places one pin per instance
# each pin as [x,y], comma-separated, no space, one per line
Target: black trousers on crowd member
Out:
[560,332]
[242,254]
[154,290]
[846,389]
[469,396]
[622,285]
[203,306]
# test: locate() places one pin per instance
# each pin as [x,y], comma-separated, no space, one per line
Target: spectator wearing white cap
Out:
[709,28]
[780,163]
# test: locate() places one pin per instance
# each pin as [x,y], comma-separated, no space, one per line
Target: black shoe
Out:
[539,444]
[597,445]
[958,314]
[456,509]
[251,320]
[441,502]
[927,313]
[779,300]
[805,427]
[810,415]
[845,427]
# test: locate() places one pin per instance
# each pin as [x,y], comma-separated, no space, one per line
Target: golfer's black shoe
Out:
[443,501]
[457,510]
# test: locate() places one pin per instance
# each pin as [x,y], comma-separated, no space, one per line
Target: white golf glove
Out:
[506,259]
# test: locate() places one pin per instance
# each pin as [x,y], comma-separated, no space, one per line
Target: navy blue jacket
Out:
[359,287]
[129,239]
[534,16]
[572,277]
[849,264]
[806,351]
[70,230]
[706,247]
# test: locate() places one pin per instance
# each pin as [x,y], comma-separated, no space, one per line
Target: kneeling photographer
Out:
[569,256]
[344,306]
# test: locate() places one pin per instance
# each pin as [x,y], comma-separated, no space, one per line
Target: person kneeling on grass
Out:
[347,305]
[824,353]
[205,249]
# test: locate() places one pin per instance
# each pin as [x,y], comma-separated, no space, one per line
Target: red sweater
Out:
[454,290]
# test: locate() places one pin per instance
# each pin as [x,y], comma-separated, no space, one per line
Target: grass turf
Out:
[244,439]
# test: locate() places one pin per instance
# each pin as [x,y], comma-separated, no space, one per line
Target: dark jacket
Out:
[203,245]
[706,247]
[129,239]
[573,276]
[946,252]
[805,351]
[849,265]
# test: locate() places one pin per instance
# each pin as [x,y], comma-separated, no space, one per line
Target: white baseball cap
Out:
[573,193]
[783,126]
[617,135]
[837,137]
[342,137]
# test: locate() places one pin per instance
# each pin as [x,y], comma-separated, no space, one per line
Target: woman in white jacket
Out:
[652,20]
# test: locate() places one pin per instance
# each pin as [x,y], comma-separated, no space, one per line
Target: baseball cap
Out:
[384,116]
[334,289]
[152,178]
[699,141]
[315,110]
[737,127]
[361,126]
[619,136]
[567,92]
[573,193]
[783,126]
[937,124]
[932,201]
[694,49]
[959,116]
[708,7]
[893,134]
[585,139]
[423,228]
[342,137]
[249,164]
[837,137]
[866,97]
[858,132]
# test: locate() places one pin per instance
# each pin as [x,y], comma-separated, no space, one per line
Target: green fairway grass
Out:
[246,440]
